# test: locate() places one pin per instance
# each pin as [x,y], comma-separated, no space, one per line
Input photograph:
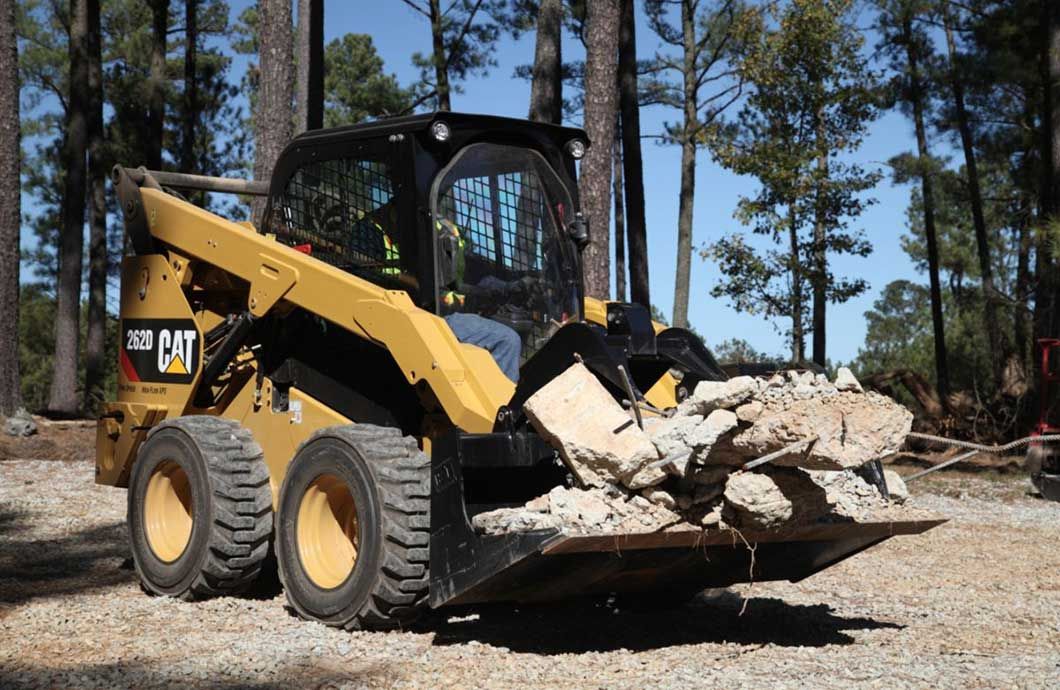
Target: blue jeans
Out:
[502,342]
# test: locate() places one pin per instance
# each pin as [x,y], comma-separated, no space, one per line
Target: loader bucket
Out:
[543,565]
[560,567]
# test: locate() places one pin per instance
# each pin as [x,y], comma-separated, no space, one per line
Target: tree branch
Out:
[416,7]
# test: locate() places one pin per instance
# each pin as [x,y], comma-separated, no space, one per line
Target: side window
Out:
[344,212]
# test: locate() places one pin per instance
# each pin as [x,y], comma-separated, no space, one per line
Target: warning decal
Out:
[159,350]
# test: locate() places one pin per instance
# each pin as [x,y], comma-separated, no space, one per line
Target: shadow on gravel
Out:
[86,560]
[578,627]
[168,675]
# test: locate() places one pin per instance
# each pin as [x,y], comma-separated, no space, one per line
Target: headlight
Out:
[576,148]
[440,131]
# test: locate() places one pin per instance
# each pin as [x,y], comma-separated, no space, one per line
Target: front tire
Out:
[353,529]
[199,508]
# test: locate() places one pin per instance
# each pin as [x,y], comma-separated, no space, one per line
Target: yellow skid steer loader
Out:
[297,386]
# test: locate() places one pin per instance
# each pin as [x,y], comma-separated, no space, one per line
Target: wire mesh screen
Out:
[500,217]
[342,210]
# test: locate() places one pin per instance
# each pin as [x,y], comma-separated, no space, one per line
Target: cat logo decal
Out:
[159,350]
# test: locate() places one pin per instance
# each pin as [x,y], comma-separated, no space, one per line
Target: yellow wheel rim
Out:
[327,531]
[167,511]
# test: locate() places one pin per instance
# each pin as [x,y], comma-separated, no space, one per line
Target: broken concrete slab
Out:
[712,395]
[896,486]
[845,381]
[688,440]
[773,497]
[660,497]
[594,435]
[673,436]
[503,520]
[851,429]
[751,411]
[578,506]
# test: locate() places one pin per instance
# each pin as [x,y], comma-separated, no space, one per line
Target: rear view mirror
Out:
[578,229]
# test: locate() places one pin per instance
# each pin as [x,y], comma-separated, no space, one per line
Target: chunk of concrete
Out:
[577,416]
[503,520]
[717,423]
[20,424]
[845,381]
[660,497]
[673,436]
[649,476]
[577,506]
[896,486]
[712,395]
[773,498]
[851,429]
[751,411]
[688,440]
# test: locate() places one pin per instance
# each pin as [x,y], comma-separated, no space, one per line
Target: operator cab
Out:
[466,213]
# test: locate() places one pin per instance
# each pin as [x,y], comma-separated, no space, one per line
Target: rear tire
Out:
[354,527]
[199,508]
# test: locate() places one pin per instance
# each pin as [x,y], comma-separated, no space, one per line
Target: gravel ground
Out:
[974,603]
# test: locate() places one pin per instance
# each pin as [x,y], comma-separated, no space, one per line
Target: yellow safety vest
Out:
[391,255]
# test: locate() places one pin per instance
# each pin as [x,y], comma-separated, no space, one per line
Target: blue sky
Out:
[398,32]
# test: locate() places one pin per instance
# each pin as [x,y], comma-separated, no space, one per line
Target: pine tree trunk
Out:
[1020,330]
[546,88]
[927,191]
[1054,96]
[620,223]
[632,162]
[982,242]
[273,119]
[301,60]
[156,111]
[601,72]
[191,87]
[10,211]
[820,257]
[683,275]
[309,80]
[798,338]
[441,70]
[1052,123]
[1044,302]
[62,397]
[98,263]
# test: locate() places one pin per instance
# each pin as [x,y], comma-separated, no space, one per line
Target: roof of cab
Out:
[422,122]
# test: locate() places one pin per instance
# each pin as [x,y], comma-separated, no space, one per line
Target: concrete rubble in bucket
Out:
[682,471]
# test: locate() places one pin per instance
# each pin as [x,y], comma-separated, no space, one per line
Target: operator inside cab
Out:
[505,270]
[502,341]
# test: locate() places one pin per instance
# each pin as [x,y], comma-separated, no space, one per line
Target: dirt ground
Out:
[973,603]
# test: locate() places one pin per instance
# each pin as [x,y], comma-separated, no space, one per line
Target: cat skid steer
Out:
[294,387]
